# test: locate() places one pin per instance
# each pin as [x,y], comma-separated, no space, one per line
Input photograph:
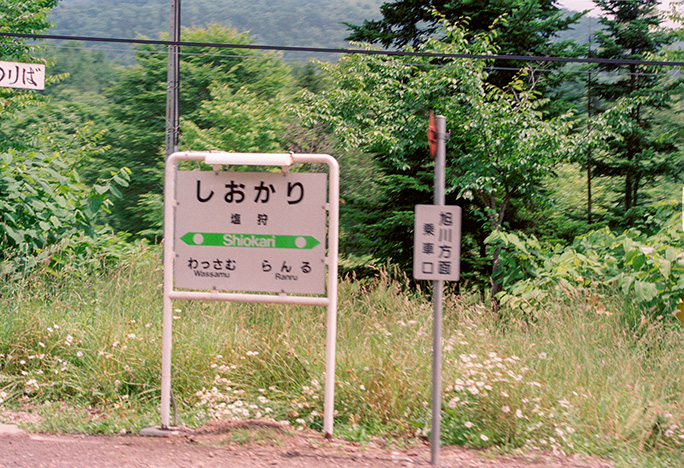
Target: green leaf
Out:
[639,261]
[115,191]
[120,180]
[17,237]
[629,256]
[37,205]
[645,292]
[665,267]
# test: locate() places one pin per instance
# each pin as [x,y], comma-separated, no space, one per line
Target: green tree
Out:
[522,27]
[137,117]
[85,70]
[518,27]
[645,148]
[499,149]
[240,121]
[70,108]
[44,204]
[25,17]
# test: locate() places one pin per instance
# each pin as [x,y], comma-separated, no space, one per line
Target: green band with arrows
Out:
[250,241]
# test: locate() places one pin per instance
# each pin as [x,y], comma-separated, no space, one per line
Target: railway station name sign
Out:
[251,231]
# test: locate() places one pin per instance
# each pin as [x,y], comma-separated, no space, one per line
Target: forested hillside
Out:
[304,23]
[312,23]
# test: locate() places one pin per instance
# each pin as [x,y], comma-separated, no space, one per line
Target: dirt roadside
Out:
[217,445]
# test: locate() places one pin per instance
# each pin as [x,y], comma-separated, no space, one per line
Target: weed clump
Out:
[576,379]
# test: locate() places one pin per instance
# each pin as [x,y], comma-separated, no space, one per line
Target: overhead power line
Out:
[416,64]
[322,50]
[407,64]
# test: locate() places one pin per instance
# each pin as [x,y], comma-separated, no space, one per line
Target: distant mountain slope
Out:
[583,30]
[307,23]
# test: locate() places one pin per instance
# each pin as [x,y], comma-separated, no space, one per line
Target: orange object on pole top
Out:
[432,135]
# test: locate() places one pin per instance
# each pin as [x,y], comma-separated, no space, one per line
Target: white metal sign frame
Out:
[217,160]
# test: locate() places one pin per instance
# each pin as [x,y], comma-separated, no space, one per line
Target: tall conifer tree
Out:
[523,27]
[632,30]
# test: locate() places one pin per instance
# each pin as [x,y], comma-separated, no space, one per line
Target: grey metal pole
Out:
[172,81]
[437,293]
[171,146]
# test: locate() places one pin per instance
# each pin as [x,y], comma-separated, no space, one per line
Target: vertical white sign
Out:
[437,243]
[22,75]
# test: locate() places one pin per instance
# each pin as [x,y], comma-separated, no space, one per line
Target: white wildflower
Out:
[31,385]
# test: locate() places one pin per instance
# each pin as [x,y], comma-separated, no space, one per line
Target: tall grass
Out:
[578,379]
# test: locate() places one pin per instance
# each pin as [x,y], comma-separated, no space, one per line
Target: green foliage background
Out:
[371,113]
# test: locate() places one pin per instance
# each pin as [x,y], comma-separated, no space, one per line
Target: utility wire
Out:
[322,50]
[407,64]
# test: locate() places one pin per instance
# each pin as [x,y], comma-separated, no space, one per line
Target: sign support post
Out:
[437,294]
[436,257]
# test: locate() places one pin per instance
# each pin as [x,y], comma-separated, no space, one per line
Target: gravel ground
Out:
[262,445]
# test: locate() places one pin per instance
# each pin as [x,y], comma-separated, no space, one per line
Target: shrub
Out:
[48,213]
[647,268]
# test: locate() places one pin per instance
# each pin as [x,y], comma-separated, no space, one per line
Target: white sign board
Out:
[251,231]
[22,75]
[437,243]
